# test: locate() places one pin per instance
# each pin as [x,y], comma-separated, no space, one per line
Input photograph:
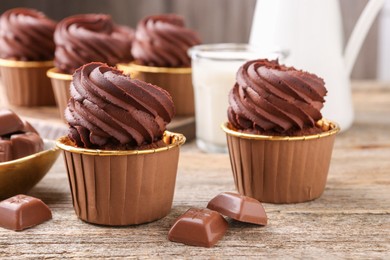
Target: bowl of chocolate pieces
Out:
[25,157]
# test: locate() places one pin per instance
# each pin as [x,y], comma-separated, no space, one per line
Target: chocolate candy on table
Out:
[239,207]
[198,227]
[21,212]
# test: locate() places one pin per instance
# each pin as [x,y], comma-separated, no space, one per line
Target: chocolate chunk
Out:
[21,212]
[17,137]
[10,122]
[198,227]
[239,207]
[5,150]
[25,144]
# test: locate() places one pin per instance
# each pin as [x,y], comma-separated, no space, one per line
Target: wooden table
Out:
[350,220]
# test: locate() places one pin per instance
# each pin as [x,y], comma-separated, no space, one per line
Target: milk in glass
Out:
[214,69]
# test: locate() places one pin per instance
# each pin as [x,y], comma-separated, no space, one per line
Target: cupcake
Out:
[26,53]
[279,145]
[160,52]
[85,38]
[121,162]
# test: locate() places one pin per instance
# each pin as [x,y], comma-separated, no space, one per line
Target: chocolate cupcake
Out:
[160,52]
[121,162]
[85,38]
[280,146]
[26,53]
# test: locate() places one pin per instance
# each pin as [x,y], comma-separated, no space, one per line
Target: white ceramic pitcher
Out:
[311,32]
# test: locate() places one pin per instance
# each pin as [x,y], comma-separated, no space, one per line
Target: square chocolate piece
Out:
[198,227]
[5,150]
[21,212]
[10,122]
[239,207]
[25,144]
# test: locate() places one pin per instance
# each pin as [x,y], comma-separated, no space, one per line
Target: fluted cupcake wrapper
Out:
[280,170]
[123,189]
[26,83]
[61,88]
[177,81]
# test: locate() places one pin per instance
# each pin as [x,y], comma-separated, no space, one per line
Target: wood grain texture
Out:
[350,220]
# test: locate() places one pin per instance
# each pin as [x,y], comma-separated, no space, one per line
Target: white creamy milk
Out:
[214,69]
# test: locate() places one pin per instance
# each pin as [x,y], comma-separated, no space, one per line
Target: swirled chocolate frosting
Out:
[108,110]
[26,35]
[85,38]
[272,99]
[163,41]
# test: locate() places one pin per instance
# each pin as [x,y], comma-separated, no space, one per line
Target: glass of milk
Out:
[214,68]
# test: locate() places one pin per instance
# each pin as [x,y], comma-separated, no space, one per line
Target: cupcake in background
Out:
[121,161]
[26,53]
[280,146]
[85,38]
[160,52]
[163,41]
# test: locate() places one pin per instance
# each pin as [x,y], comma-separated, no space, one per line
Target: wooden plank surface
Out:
[350,220]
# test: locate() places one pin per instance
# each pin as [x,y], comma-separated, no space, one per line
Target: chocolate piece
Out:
[21,212]
[10,122]
[17,137]
[25,144]
[5,150]
[198,227]
[239,207]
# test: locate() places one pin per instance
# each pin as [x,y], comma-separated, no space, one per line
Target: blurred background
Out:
[224,21]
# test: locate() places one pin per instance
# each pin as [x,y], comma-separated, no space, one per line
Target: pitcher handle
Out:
[359,33]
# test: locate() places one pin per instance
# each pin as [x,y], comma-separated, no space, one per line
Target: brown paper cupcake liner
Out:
[280,169]
[119,188]
[177,81]
[26,83]
[61,89]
